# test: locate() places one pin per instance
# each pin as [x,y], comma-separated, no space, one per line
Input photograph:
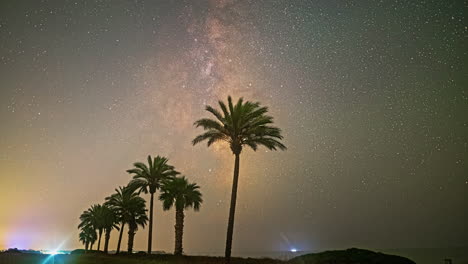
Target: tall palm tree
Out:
[93,218]
[137,217]
[125,201]
[109,222]
[87,236]
[183,195]
[242,124]
[148,179]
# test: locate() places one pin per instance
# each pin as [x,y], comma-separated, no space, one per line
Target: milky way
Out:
[371,96]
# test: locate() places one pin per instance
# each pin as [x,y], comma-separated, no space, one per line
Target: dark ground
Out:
[349,256]
[24,258]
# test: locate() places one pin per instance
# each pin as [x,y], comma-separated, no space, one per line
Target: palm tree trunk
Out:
[91,247]
[150,227]
[86,246]
[120,237]
[232,210]
[107,238]
[131,236]
[179,231]
[99,240]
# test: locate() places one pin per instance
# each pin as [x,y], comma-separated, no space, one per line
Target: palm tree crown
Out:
[148,178]
[244,123]
[137,215]
[89,217]
[123,201]
[179,192]
[109,217]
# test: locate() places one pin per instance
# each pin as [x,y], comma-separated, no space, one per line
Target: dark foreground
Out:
[350,256]
[23,258]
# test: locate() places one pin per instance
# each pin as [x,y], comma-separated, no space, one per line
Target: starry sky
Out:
[371,95]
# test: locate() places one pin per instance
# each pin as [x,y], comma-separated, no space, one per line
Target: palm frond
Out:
[208,135]
[216,113]
[227,115]
[207,124]
[269,143]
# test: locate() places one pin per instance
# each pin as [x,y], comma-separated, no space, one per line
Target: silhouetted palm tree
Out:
[242,124]
[125,201]
[84,239]
[109,222]
[87,236]
[93,218]
[148,179]
[137,217]
[92,244]
[181,194]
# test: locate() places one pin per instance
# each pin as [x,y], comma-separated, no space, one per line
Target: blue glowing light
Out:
[293,250]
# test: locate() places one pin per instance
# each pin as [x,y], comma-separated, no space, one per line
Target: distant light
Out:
[53,252]
[293,250]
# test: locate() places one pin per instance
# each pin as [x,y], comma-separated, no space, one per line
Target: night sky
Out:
[372,98]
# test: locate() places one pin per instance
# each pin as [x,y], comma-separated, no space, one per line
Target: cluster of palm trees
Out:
[243,124]
[125,207]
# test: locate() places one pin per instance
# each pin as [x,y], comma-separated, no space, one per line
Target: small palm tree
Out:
[242,124]
[109,222]
[84,239]
[93,218]
[125,201]
[180,193]
[137,217]
[148,179]
[92,243]
[87,236]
